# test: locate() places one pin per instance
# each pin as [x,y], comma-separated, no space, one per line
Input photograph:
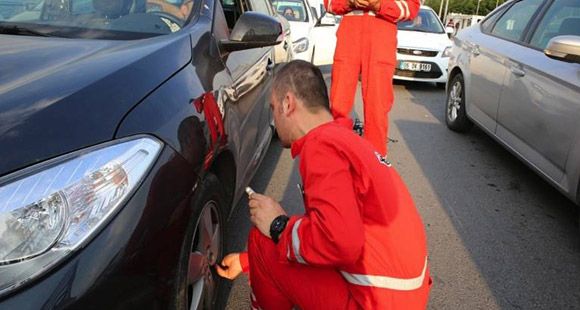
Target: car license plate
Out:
[414,66]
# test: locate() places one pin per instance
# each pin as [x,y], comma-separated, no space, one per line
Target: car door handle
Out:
[517,71]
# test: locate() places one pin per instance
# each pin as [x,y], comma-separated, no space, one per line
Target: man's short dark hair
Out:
[305,81]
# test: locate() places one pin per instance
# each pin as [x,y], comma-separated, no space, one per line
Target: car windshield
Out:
[292,10]
[94,19]
[426,21]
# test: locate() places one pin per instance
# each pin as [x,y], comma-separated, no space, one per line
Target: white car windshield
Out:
[292,10]
[94,19]
[426,21]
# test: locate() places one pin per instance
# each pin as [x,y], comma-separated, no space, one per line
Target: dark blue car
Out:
[128,130]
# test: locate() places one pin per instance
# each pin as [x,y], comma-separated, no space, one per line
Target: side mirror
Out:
[325,20]
[253,30]
[565,48]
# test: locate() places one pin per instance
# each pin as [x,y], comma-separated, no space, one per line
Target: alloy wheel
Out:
[454,101]
[205,251]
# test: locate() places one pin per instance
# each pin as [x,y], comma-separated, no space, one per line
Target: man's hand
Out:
[374,5]
[232,267]
[360,4]
[263,210]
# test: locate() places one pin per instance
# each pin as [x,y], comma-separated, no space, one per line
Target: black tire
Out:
[441,85]
[455,115]
[209,199]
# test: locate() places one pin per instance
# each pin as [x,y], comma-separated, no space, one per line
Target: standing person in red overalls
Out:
[361,242]
[366,46]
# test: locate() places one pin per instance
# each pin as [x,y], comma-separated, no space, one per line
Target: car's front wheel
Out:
[455,115]
[206,248]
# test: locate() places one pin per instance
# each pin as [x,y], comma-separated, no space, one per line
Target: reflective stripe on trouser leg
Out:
[387,282]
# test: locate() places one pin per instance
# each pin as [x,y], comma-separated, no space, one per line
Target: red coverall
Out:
[366,45]
[360,244]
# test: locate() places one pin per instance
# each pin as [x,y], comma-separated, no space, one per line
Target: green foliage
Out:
[465,6]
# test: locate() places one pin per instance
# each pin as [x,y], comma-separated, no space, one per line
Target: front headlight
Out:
[301,45]
[447,52]
[51,209]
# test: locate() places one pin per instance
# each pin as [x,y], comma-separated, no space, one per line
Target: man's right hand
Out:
[232,267]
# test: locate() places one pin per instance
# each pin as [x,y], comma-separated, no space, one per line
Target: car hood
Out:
[422,40]
[58,95]
[300,30]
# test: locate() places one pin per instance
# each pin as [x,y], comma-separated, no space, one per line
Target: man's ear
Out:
[289,104]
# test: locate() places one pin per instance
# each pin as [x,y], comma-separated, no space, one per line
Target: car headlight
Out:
[447,52]
[301,45]
[49,210]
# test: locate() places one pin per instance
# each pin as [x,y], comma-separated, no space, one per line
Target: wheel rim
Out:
[454,101]
[205,250]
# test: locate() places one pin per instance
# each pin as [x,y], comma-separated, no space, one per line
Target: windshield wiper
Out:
[19,30]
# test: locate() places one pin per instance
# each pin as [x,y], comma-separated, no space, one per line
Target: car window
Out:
[426,21]
[292,10]
[512,24]
[108,19]
[562,18]
[490,20]
[261,6]
[233,9]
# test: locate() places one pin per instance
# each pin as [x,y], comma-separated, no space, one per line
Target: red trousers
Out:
[282,285]
[366,46]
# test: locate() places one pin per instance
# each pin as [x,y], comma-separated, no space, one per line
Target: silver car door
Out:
[540,107]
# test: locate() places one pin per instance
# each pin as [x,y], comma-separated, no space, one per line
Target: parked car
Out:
[423,49]
[126,136]
[314,37]
[517,76]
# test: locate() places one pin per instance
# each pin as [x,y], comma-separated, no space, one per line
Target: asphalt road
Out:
[499,236]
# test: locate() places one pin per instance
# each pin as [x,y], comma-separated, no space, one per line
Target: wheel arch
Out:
[224,168]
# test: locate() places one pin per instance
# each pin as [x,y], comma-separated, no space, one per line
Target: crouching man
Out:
[361,242]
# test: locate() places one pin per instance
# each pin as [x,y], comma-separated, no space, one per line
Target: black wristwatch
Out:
[277,227]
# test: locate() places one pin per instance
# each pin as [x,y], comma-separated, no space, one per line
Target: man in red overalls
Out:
[366,45]
[360,244]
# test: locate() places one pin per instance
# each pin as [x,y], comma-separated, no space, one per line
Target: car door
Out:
[323,34]
[246,98]
[490,50]
[539,107]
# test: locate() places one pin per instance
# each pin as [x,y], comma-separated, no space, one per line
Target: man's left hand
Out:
[263,210]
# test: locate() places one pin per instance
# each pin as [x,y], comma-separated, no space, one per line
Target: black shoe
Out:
[358,127]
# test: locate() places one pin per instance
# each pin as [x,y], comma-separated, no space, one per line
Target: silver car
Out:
[517,76]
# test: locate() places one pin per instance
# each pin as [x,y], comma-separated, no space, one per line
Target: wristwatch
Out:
[277,227]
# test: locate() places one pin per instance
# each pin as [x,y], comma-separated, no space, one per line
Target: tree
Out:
[466,6]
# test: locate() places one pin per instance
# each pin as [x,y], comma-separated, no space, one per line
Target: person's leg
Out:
[345,68]
[282,285]
[378,82]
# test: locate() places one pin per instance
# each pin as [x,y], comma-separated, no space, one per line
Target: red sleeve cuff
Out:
[285,241]
[245,262]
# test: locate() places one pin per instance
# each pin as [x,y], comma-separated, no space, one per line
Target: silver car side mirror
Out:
[565,48]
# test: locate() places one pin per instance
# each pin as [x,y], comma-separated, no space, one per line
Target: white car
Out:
[423,49]
[314,39]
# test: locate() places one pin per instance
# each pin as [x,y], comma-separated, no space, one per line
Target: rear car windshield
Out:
[111,19]
[426,21]
[292,10]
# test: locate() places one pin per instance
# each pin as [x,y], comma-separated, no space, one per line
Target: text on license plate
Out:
[414,66]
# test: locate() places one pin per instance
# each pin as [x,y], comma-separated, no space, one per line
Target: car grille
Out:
[416,52]
[433,74]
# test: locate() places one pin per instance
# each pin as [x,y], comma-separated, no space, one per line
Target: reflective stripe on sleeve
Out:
[296,242]
[407,11]
[330,7]
[387,282]
[401,10]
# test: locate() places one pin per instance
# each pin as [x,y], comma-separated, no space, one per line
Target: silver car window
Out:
[513,23]
[562,18]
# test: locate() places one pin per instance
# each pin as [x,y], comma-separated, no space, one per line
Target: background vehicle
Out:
[423,49]
[313,41]
[516,75]
[126,136]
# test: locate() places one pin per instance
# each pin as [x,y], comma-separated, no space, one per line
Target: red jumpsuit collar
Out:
[296,147]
